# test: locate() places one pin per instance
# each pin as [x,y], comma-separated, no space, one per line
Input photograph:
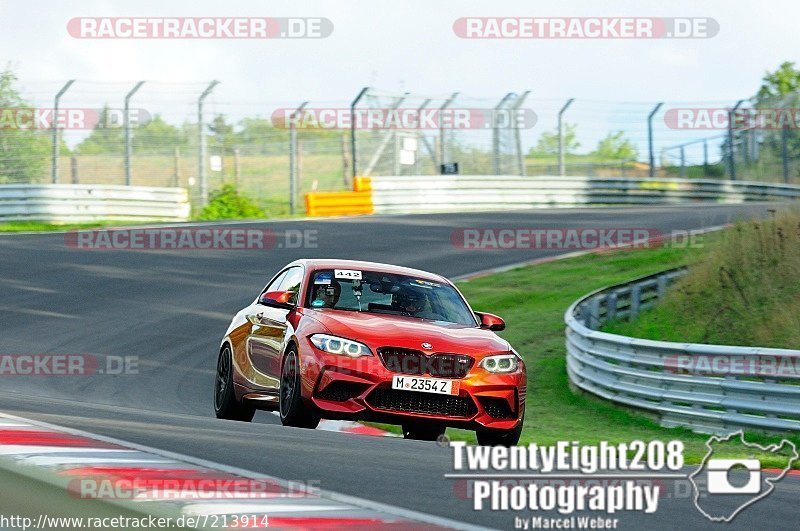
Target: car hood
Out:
[377,330]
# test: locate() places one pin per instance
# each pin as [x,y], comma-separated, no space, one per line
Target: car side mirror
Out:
[490,321]
[277,299]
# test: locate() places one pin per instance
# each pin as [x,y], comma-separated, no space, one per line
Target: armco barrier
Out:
[77,203]
[459,193]
[709,388]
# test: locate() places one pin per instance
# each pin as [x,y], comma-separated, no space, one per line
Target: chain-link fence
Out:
[147,134]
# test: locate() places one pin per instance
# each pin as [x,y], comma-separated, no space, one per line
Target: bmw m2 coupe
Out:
[340,339]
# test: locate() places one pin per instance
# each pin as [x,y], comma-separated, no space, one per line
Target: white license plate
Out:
[425,385]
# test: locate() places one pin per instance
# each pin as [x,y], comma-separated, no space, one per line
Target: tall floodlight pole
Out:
[55,177]
[201,144]
[517,135]
[561,169]
[353,105]
[127,126]
[731,153]
[651,152]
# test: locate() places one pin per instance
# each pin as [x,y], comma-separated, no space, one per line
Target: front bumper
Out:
[361,389]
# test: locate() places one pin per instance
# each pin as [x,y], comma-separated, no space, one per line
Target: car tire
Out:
[423,432]
[225,404]
[501,437]
[293,411]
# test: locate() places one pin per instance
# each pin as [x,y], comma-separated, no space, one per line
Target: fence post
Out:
[237,168]
[496,134]
[731,152]
[127,125]
[73,165]
[785,151]
[444,106]
[56,101]
[651,152]
[293,157]
[561,169]
[201,145]
[176,171]
[683,162]
[353,120]
[517,137]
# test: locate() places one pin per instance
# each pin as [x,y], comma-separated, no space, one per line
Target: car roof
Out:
[330,263]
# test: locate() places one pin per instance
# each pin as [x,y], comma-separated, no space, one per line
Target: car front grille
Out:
[424,403]
[409,361]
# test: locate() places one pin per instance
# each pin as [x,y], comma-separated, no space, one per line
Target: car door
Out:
[268,329]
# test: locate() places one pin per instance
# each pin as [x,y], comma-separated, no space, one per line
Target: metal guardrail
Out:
[406,194]
[76,203]
[709,388]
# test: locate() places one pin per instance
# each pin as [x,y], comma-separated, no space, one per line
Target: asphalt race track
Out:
[170,309]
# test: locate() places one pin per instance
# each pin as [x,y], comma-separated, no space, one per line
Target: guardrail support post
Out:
[593,319]
[731,150]
[611,306]
[353,154]
[201,145]
[127,125]
[636,299]
[561,169]
[652,171]
[661,286]
[56,101]
[293,157]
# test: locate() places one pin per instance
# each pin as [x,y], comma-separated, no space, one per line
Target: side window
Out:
[275,284]
[291,282]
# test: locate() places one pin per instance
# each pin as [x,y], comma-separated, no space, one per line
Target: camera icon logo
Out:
[725,483]
[721,470]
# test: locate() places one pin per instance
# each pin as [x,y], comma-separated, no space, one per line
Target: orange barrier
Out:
[357,202]
[339,203]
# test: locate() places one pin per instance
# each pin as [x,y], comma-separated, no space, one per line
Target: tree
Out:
[615,146]
[24,152]
[782,82]
[548,142]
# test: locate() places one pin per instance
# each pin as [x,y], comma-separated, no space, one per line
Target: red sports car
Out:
[340,339]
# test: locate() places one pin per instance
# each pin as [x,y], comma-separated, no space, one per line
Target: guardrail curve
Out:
[708,388]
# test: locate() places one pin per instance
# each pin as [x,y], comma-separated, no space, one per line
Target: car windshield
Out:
[387,293]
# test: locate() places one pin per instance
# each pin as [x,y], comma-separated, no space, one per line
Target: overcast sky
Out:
[409,46]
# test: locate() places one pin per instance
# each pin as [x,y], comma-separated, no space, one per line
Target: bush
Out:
[228,203]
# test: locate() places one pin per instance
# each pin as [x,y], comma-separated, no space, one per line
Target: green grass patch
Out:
[533,300]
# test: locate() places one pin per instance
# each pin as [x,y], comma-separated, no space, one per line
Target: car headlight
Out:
[500,363]
[340,345]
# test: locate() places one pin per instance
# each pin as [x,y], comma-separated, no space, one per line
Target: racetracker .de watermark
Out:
[141,485]
[585,27]
[182,239]
[404,118]
[710,118]
[762,365]
[527,238]
[29,118]
[66,365]
[200,27]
